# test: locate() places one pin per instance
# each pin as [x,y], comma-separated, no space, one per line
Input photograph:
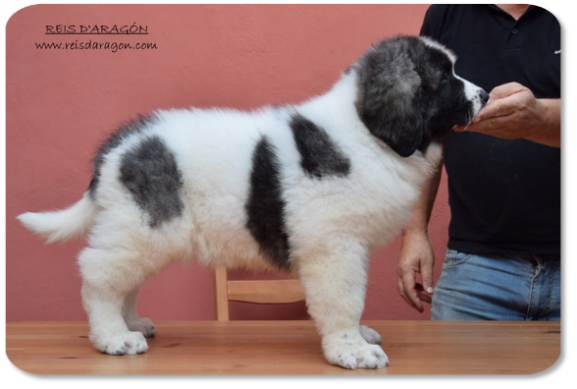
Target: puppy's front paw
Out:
[144,325]
[349,350]
[370,335]
[126,343]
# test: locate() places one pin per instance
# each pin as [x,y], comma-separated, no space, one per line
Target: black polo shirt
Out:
[505,195]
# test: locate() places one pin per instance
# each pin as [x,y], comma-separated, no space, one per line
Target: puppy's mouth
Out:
[481,100]
[470,116]
[478,103]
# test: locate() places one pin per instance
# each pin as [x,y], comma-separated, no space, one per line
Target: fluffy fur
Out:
[310,188]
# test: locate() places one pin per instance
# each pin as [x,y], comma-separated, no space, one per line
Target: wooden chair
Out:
[253,291]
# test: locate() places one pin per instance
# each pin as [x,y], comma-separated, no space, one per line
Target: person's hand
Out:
[417,256]
[512,112]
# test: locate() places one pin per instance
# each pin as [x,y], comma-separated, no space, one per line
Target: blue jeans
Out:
[493,287]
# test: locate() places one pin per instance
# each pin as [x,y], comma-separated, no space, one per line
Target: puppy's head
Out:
[409,94]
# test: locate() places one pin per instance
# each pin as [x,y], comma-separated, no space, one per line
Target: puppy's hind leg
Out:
[370,335]
[133,321]
[334,279]
[108,277]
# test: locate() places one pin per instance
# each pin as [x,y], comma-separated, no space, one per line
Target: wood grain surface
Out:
[289,347]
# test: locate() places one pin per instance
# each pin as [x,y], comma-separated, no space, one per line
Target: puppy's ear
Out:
[388,103]
[401,128]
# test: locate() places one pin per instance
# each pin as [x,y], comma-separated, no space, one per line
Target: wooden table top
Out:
[289,347]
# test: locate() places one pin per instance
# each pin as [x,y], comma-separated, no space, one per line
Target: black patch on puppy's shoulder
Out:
[265,207]
[150,173]
[319,155]
[111,143]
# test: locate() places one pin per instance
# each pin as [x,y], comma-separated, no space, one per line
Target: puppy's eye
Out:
[444,80]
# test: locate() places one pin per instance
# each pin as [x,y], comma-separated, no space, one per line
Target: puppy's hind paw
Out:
[144,325]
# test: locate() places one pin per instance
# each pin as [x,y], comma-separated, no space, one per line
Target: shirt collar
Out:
[495,8]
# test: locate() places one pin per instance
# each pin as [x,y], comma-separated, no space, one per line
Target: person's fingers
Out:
[500,108]
[505,100]
[404,295]
[416,257]
[407,289]
[493,127]
[427,275]
[505,90]
[503,107]
[421,294]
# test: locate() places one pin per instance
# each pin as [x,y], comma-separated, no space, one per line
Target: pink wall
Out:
[62,103]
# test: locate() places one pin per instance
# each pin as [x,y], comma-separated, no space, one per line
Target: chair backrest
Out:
[253,291]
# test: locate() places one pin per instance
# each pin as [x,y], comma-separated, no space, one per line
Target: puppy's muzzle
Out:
[484,97]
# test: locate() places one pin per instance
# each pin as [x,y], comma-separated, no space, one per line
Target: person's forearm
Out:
[421,212]
[549,132]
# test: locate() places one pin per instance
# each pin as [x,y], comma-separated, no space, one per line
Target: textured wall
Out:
[61,103]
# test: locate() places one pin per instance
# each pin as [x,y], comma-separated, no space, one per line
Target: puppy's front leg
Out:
[334,279]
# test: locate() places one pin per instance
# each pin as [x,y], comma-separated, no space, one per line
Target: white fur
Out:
[333,223]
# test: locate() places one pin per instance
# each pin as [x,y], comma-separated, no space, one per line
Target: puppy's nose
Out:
[484,96]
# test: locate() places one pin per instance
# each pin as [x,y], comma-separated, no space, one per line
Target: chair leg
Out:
[221,293]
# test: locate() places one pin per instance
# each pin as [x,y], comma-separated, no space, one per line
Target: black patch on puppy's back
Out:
[151,175]
[319,155]
[111,143]
[265,207]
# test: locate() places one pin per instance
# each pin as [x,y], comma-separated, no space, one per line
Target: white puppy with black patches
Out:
[309,189]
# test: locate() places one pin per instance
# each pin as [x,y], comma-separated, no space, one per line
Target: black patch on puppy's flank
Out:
[111,143]
[319,155]
[151,174]
[265,207]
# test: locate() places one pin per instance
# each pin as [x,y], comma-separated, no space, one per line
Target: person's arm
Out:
[417,255]
[513,112]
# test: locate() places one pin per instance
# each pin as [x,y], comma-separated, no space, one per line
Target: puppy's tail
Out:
[69,223]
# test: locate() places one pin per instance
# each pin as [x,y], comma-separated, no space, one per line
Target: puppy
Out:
[309,189]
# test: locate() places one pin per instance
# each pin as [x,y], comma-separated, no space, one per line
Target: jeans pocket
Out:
[454,258]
